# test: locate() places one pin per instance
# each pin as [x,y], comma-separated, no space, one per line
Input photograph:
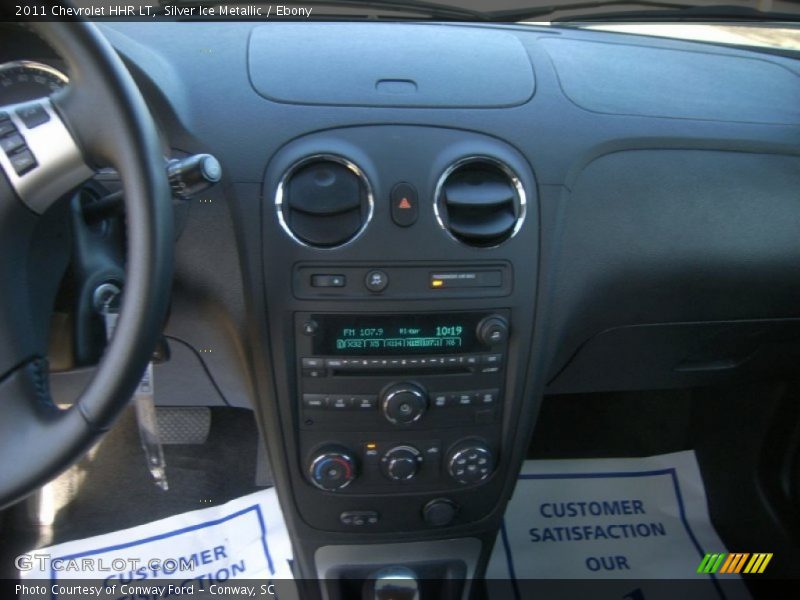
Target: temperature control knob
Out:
[470,462]
[401,463]
[332,469]
[403,403]
[492,330]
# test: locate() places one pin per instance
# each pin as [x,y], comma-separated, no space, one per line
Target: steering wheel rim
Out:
[100,120]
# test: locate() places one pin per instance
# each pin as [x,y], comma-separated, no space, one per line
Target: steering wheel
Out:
[99,120]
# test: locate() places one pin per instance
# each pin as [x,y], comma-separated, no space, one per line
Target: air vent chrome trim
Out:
[280,191]
[513,178]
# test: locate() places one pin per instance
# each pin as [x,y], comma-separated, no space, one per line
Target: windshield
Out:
[763,35]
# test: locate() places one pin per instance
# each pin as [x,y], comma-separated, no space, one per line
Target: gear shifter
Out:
[392,583]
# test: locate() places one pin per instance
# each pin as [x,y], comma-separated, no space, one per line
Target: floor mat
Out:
[111,488]
[614,519]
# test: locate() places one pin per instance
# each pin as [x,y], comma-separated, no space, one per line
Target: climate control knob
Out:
[403,403]
[401,463]
[492,330]
[470,462]
[332,469]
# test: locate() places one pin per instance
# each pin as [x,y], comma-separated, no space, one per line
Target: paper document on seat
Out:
[605,519]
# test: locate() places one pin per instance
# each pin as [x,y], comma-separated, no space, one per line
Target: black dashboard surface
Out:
[604,103]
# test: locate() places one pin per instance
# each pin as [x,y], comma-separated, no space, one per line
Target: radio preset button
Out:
[486,397]
[464,398]
[340,402]
[440,399]
[364,402]
[315,401]
[312,363]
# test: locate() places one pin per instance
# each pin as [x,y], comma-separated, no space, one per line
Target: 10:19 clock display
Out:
[371,335]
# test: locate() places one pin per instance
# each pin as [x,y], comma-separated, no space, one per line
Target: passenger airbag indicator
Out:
[466,279]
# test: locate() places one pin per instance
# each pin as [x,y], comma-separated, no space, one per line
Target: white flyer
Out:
[611,519]
[244,539]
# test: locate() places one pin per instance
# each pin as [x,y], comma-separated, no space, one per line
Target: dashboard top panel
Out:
[389,65]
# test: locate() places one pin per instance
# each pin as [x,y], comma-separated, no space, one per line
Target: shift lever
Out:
[392,583]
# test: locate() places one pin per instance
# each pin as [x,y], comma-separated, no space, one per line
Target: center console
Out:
[400,268]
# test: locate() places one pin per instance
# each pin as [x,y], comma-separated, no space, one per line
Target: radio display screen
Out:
[397,334]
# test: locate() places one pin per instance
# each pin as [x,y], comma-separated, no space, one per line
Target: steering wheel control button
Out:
[6,125]
[11,142]
[493,330]
[328,281]
[405,204]
[376,281]
[332,470]
[470,463]
[439,512]
[404,403]
[401,463]
[359,518]
[22,161]
[33,115]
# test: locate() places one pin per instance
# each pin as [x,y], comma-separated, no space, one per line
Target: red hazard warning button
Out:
[405,206]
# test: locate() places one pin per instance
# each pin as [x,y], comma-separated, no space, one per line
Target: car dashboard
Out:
[425,227]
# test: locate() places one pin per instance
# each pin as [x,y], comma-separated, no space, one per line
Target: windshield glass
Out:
[763,35]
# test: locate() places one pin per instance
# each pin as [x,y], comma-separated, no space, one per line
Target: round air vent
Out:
[480,201]
[324,201]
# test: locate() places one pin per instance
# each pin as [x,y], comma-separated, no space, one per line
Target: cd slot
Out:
[407,371]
